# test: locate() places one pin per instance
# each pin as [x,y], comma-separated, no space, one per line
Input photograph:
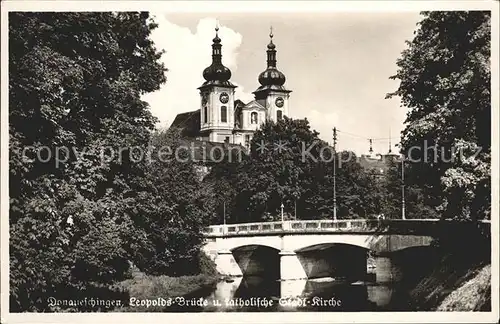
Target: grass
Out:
[460,281]
[439,290]
[473,295]
[146,287]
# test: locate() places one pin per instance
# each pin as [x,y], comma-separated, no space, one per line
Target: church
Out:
[222,118]
[225,121]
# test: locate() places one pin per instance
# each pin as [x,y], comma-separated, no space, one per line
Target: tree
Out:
[288,164]
[222,183]
[277,167]
[75,82]
[445,84]
[392,197]
[171,211]
[357,189]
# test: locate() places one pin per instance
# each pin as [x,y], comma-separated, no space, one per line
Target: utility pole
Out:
[390,142]
[403,188]
[334,174]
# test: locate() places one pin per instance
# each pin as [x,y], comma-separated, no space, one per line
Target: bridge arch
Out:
[252,246]
[375,243]
[258,260]
[295,242]
[236,242]
[298,243]
[334,259]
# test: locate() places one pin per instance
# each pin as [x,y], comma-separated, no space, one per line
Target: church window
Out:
[205,114]
[253,118]
[247,140]
[279,114]
[223,114]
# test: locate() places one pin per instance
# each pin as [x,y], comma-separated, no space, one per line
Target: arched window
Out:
[223,114]
[205,114]
[254,118]
[279,115]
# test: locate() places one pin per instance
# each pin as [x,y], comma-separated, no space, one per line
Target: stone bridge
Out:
[305,249]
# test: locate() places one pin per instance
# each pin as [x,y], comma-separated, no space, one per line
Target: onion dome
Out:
[217,73]
[272,77]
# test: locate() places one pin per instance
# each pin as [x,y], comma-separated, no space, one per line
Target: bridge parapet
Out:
[399,226]
[299,226]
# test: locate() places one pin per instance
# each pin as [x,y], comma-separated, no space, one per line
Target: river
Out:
[251,294]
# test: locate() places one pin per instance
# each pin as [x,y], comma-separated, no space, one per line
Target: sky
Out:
[336,64]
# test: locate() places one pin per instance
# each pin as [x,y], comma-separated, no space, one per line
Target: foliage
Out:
[445,83]
[172,221]
[455,265]
[288,164]
[143,286]
[79,219]
[221,182]
[392,198]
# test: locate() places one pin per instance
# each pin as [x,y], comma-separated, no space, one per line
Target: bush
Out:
[143,286]
[206,265]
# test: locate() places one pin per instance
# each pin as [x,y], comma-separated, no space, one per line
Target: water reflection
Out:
[259,294]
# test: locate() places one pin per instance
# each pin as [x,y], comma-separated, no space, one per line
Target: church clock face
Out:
[279,102]
[224,97]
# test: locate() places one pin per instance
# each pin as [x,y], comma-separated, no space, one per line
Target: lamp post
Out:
[334,174]
[224,216]
[403,188]
[282,218]
[295,209]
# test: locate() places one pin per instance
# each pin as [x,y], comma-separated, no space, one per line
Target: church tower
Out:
[272,94]
[217,98]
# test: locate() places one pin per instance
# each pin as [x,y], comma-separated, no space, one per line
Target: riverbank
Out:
[450,288]
[147,287]
[461,280]
[473,295]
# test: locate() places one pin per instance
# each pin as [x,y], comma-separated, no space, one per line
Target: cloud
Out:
[322,123]
[187,54]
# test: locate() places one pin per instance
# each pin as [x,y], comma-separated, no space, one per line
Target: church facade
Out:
[223,118]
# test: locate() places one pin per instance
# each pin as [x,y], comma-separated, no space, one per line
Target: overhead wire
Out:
[371,140]
[367,138]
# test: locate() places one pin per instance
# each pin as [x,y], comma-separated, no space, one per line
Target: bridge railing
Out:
[291,226]
[409,226]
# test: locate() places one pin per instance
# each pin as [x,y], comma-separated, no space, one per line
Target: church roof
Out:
[238,103]
[271,87]
[188,122]
[369,162]
[381,162]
